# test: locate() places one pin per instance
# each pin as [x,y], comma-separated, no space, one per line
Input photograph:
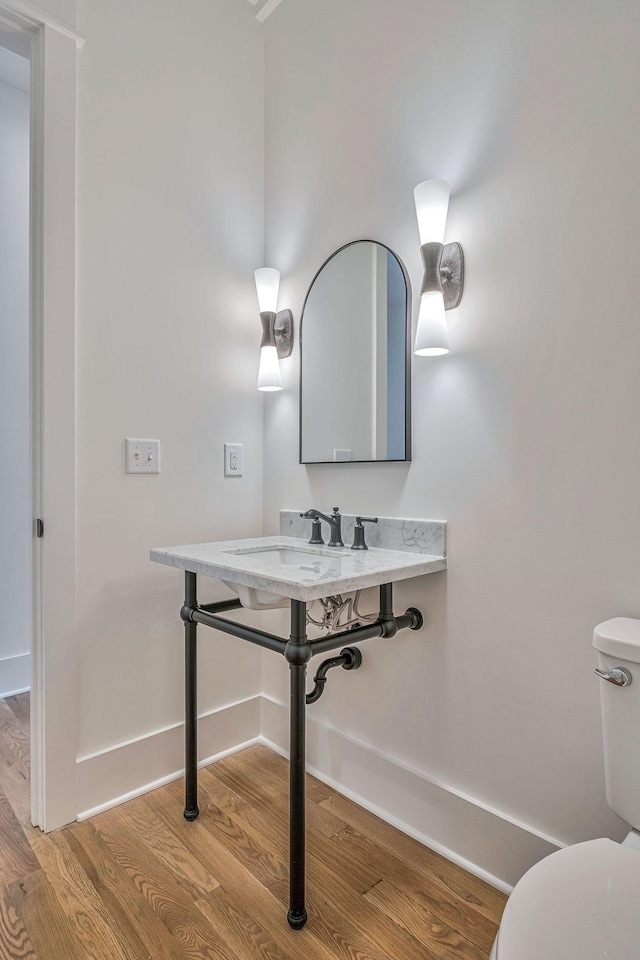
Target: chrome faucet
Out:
[334,521]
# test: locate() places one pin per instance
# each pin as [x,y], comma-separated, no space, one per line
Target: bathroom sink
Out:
[284,553]
[268,572]
[281,554]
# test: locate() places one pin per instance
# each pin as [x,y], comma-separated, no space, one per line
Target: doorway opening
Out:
[16,412]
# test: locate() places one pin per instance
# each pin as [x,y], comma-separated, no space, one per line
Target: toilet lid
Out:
[581,903]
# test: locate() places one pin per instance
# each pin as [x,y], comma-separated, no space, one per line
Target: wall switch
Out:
[233,459]
[141,456]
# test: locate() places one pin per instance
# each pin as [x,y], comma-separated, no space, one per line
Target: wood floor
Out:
[138,882]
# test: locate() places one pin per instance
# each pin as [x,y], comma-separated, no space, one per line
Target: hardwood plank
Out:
[15,744]
[87,913]
[329,878]
[228,788]
[246,937]
[476,892]
[337,935]
[443,941]
[372,936]
[272,764]
[16,859]
[15,766]
[20,706]
[14,939]
[17,789]
[6,713]
[143,931]
[197,939]
[46,924]
[423,888]
[277,788]
[187,868]
[256,854]
[237,881]
[241,792]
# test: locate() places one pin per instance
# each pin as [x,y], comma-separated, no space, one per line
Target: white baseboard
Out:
[15,675]
[484,841]
[127,770]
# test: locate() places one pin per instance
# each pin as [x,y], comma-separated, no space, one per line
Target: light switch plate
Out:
[141,456]
[233,459]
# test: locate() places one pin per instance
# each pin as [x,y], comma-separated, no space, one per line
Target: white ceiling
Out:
[266,7]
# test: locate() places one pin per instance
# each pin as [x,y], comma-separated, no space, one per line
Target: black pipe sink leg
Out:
[191,810]
[298,654]
[296,922]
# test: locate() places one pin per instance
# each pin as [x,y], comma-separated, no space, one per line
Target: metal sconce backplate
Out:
[283,332]
[452,275]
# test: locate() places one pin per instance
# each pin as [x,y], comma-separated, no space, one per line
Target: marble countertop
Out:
[328,570]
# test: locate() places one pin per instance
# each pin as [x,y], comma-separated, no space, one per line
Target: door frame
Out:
[53,50]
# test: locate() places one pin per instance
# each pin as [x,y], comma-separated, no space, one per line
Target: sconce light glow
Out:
[443,276]
[432,335]
[432,203]
[269,377]
[267,284]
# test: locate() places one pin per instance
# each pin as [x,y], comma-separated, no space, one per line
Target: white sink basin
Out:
[305,558]
[285,553]
[282,555]
[254,599]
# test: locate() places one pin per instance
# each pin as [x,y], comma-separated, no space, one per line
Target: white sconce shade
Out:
[267,284]
[269,377]
[443,266]
[432,335]
[432,203]
[277,329]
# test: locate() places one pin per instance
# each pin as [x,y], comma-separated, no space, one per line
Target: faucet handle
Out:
[358,532]
[316,531]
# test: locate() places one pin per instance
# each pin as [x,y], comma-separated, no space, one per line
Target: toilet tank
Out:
[618,645]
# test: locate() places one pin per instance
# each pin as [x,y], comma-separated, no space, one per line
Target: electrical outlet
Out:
[233,459]
[342,454]
[142,456]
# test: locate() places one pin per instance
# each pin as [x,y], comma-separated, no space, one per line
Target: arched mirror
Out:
[354,358]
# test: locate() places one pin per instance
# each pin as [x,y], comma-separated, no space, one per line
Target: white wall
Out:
[526,437]
[15,475]
[170,230]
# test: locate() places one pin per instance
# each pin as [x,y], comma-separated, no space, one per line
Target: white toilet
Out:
[583,902]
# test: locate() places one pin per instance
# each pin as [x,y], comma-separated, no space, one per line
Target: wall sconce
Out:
[443,278]
[277,330]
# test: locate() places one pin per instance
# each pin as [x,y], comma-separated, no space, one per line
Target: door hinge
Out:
[39,528]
